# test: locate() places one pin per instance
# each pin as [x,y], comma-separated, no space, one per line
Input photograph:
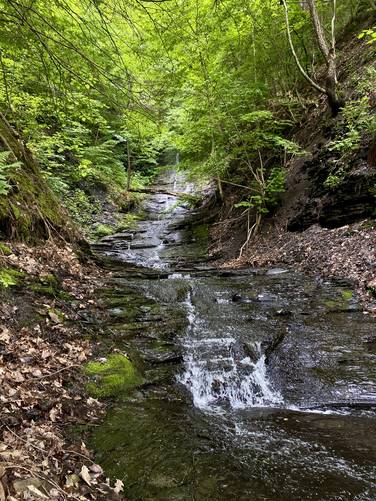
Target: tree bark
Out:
[328,51]
[129,166]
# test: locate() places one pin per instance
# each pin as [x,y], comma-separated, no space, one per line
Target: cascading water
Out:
[257,350]
[217,376]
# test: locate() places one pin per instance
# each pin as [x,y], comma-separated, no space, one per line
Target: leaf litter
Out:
[43,344]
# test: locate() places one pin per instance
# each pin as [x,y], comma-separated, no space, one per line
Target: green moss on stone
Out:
[114,376]
[347,295]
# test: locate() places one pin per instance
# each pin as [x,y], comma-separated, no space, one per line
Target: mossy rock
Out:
[114,376]
[128,222]
[31,210]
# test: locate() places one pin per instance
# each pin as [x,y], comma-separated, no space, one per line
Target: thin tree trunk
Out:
[129,167]
[328,51]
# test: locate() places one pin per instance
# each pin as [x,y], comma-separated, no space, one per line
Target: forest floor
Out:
[45,340]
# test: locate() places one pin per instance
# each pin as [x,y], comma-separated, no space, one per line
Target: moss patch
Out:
[49,286]
[347,295]
[103,230]
[31,210]
[5,250]
[114,376]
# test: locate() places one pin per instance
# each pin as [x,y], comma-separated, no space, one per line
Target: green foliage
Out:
[128,222]
[359,122]
[5,169]
[5,250]
[268,193]
[103,230]
[89,82]
[334,180]
[9,277]
[369,35]
[114,376]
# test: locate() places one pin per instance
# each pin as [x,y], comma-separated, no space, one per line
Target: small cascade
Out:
[217,377]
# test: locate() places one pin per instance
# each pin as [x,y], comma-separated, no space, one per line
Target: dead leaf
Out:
[95,468]
[54,317]
[72,480]
[36,492]
[119,486]
[53,414]
[2,492]
[4,334]
[85,475]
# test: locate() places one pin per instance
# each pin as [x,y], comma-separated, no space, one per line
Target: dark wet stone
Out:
[155,357]
[236,298]
[283,313]
[271,344]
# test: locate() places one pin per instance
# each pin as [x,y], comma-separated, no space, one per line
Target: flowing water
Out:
[258,384]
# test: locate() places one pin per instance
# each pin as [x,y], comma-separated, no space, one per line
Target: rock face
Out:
[351,200]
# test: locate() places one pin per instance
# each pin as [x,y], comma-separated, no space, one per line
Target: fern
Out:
[5,168]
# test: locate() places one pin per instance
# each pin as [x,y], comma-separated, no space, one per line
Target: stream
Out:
[259,384]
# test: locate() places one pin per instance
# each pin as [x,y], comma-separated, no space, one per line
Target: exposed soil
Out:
[44,342]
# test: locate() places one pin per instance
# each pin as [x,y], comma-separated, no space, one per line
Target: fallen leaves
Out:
[85,475]
[119,486]
[42,347]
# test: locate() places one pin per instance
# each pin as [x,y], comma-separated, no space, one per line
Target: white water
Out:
[216,378]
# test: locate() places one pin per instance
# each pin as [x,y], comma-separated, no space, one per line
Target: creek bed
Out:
[258,384]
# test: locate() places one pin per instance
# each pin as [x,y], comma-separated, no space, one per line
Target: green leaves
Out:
[6,166]
[369,35]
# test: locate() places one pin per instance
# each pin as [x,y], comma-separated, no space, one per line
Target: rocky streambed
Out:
[251,384]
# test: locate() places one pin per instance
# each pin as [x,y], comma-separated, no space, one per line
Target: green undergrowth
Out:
[10,277]
[49,286]
[110,378]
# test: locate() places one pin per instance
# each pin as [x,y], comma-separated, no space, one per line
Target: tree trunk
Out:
[328,52]
[129,167]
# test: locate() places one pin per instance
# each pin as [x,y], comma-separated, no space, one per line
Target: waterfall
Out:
[216,377]
[177,158]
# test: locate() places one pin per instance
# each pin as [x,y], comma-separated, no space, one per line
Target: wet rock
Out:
[283,313]
[251,352]
[266,297]
[270,345]
[216,386]
[155,357]
[236,298]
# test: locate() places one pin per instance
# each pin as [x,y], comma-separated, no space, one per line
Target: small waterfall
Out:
[216,377]
[177,158]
